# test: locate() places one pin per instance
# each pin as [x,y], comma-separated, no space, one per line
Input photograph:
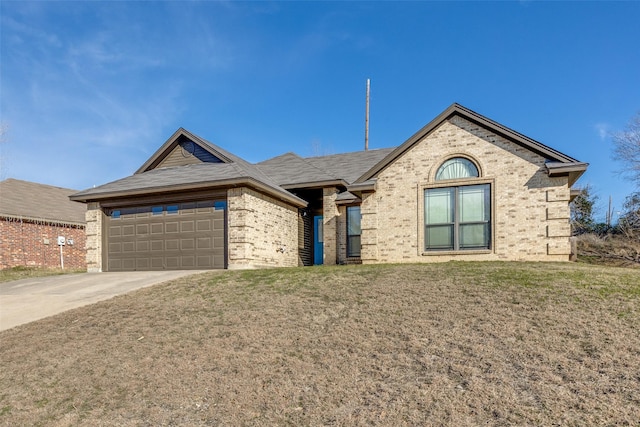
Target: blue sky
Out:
[89,90]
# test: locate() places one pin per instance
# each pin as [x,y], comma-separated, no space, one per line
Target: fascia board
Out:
[573,170]
[369,185]
[354,200]
[557,168]
[229,183]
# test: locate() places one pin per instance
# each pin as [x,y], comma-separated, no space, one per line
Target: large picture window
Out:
[458,218]
[354,231]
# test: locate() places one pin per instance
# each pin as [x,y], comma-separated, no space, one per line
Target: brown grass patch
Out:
[17,273]
[447,344]
[611,249]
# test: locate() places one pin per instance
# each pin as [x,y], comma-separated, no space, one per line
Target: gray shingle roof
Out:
[290,169]
[286,171]
[356,170]
[175,178]
[167,177]
[349,166]
[30,200]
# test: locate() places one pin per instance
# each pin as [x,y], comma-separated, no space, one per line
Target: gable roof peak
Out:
[470,115]
[179,135]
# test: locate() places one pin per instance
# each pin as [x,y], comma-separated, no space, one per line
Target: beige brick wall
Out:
[369,227]
[530,210]
[330,225]
[263,231]
[95,219]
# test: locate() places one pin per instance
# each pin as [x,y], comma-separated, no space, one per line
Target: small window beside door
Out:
[354,231]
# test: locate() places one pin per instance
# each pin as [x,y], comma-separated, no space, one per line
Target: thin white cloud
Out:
[74,97]
[603,130]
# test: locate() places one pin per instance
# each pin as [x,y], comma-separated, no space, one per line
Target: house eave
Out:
[227,183]
[361,187]
[573,170]
[558,169]
[347,198]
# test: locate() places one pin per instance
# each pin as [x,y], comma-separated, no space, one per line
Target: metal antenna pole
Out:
[366,119]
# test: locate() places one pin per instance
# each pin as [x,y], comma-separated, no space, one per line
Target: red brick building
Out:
[40,226]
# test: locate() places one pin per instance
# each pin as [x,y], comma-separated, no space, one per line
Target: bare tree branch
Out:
[627,148]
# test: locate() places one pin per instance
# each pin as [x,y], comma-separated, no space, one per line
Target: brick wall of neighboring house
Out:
[263,231]
[35,244]
[530,210]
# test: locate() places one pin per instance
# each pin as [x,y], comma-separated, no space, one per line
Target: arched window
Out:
[455,168]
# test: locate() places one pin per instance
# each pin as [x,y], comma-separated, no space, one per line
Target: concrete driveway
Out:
[26,300]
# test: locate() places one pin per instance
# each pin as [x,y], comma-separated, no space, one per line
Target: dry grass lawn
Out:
[448,344]
[17,273]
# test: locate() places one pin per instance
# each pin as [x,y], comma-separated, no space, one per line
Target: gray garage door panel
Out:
[166,237]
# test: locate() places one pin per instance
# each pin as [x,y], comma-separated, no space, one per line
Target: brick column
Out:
[240,249]
[369,237]
[95,219]
[330,225]
[558,226]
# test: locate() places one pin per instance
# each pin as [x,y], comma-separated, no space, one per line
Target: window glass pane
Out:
[458,218]
[156,210]
[474,236]
[127,213]
[439,237]
[473,204]
[457,167]
[172,209]
[438,205]
[115,214]
[205,204]
[353,220]
[353,246]
[220,204]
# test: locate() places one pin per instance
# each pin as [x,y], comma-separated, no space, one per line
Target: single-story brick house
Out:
[32,218]
[463,187]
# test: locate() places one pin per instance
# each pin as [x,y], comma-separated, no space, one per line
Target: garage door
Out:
[181,236]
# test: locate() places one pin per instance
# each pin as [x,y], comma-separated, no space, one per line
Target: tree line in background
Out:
[583,212]
[627,151]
